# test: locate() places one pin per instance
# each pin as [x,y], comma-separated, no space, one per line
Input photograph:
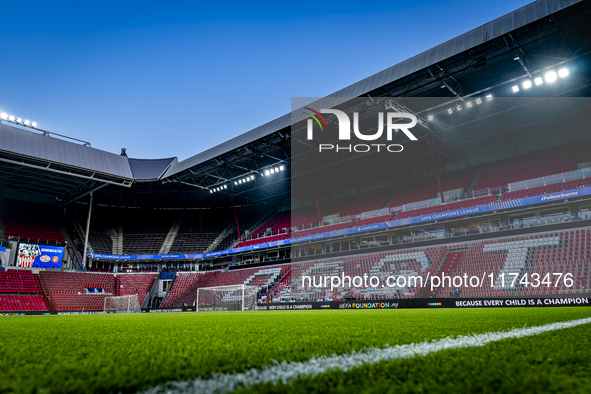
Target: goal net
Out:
[122,304]
[226,298]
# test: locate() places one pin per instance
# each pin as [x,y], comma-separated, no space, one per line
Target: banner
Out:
[39,256]
[434,303]
[378,226]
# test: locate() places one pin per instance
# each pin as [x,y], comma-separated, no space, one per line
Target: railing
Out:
[547,180]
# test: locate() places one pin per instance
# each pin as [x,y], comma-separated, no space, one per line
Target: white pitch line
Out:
[287,371]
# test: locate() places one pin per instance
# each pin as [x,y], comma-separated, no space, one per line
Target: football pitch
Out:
[150,352]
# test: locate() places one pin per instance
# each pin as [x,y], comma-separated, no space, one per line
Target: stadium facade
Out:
[496,182]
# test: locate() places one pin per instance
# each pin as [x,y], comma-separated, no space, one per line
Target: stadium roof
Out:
[489,31]
[518,45]
[53,150]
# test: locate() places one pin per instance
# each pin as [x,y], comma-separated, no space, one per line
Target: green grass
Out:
[125,353]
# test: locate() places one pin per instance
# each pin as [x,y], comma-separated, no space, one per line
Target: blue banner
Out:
[124,257]
[378,226]
[41,256]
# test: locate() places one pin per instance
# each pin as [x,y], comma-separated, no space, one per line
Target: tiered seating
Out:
[144,231]
[103,220]
[447,207]
[21,303]
[547,189]
[415,262]
[30,222]
[374,220]
[278,218]
[199,229]
[561,252]
[304,216]
[250,277]
[532,165]
[184,289]
[140,284]
[263,240]
[323,229]
[426,189]
[66,289]
[17,281]
[359,203]
[281,292]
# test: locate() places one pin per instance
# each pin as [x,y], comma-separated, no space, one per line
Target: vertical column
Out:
[86,235]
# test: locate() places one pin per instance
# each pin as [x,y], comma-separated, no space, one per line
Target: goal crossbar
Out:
[226,298]
[122,304]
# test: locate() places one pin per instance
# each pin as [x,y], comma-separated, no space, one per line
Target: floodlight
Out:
[240,181]
[450,111]
[236,183]
[459,108]
[550,76]
[3,116]
[11,118]
[276,169]
[267,172]
[488,97]
[27,122]
[34,124]
[18,120]
[515,89]
[272,171]
[252,177]
[538,81]
[527,84]
[430,117]
[478,101]
[469,104]
[225,186]
[563,72]
[211,191]
[281,168]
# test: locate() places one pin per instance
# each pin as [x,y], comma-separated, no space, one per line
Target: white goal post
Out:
[122,304]
[226,298]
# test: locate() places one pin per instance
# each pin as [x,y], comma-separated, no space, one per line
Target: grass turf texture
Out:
[124,353]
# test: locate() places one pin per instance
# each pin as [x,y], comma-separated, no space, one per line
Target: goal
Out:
[226,298]
[122,304]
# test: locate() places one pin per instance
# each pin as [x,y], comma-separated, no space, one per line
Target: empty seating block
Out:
[22,303]
[63,289]
[31,222]
[532,165]
[17,281]
[140,284]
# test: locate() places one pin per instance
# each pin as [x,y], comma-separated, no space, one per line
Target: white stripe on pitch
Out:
[287,371]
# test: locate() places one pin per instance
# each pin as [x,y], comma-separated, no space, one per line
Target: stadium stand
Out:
[144,231]
[447,207]
[184,288]
[547,189]
[427,189]
[532,165]
[199,229]
[558,252]
[129,284]
[68,290]
[32,222]
[22,303]
[17,281]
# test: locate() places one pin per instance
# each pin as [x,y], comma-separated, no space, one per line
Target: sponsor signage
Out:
[355,230]
[500,302]
[39,256]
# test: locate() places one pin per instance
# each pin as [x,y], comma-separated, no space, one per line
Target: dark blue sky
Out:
[177,77]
